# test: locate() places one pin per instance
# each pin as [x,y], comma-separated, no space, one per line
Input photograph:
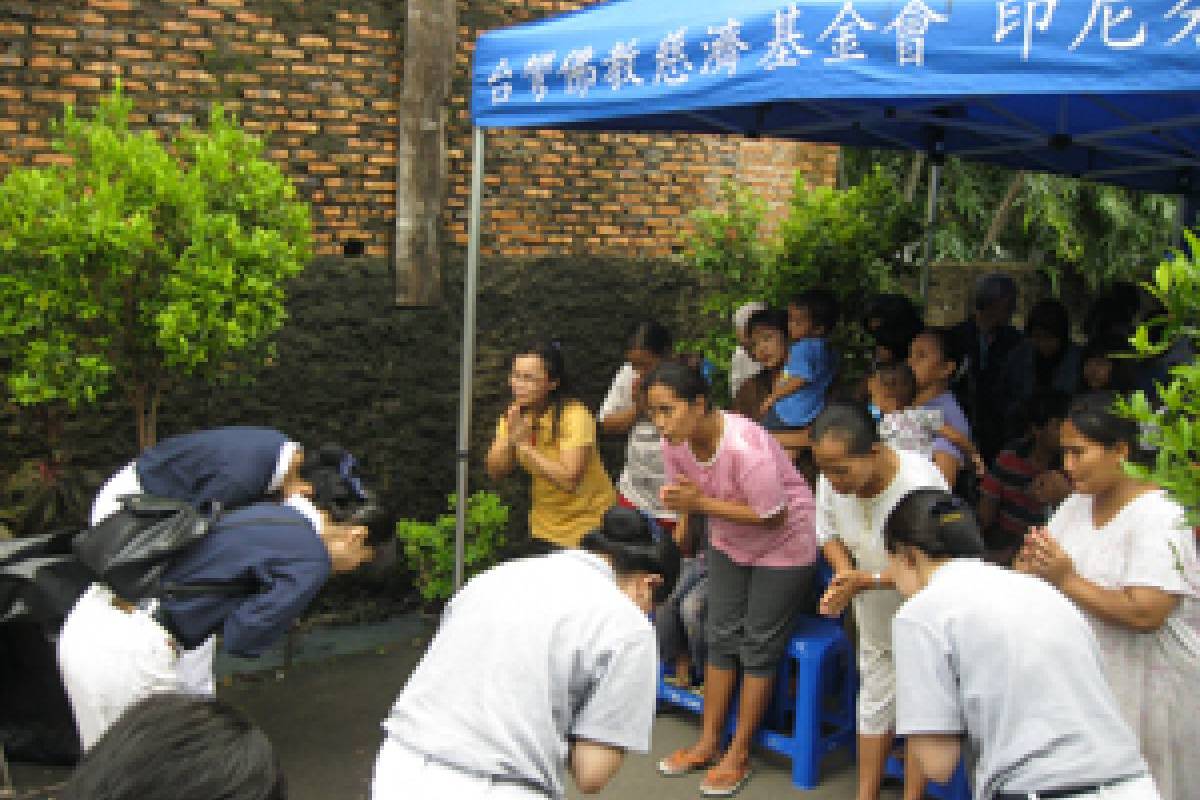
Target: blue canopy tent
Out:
[1105,90]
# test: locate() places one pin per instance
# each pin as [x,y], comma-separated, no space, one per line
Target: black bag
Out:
[130,549]
[40,578]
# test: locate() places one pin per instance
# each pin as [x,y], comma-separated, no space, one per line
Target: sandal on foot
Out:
[681,762]
[724,782]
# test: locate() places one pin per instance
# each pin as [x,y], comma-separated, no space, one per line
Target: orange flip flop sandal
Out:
[681,762]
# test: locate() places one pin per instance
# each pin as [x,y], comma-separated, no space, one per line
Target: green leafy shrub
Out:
[848,241]
[1173,428]
[429,546]
[136,263]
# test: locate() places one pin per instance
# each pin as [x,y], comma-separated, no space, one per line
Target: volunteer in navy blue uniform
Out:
[228,466]
[1001,665]
[112,654]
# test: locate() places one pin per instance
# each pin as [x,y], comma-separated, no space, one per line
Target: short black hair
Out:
[992,288]
[625,537]
[179,747]
[898,379]
[852,422]
[1045,405]
[773,318]
[687,382]
[651,336]
[1050,316]
[822,306]
[935,522]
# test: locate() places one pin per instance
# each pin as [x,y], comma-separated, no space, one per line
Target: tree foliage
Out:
[138,264]
[1172,426]
[849,241]
[1084,234]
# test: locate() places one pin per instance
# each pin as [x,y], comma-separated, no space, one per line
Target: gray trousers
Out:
[751,611]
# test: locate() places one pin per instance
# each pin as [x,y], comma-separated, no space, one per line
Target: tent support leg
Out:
[935,178]
[466,378]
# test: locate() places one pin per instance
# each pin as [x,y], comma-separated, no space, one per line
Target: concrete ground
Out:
[323,715]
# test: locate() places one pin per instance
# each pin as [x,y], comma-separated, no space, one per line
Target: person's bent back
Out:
[179,747]
[541,666]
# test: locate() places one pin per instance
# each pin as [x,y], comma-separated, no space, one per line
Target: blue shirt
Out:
[231,466]
[952,415]
[813,360]
[271,545]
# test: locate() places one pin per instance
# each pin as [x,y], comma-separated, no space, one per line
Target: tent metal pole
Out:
[466,379]
[935,178]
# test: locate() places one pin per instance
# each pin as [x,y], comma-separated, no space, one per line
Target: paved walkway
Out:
[323,715]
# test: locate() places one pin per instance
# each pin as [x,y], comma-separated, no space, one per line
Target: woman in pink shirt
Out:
[761,550]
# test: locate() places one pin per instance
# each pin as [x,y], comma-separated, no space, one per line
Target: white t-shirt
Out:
[1009,661]
[1148,543]
[529,654]
[742,367]
[643,475]
[859,521]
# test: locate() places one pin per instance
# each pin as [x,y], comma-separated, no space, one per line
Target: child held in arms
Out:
[800,387]
[893,389]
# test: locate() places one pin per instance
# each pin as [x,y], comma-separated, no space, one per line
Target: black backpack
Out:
[41,577]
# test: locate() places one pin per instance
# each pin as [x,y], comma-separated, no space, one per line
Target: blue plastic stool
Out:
[957,788]
[820,658]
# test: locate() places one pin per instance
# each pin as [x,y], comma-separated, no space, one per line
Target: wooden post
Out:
[429,42]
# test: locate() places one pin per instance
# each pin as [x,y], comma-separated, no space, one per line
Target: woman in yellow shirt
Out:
[553,437]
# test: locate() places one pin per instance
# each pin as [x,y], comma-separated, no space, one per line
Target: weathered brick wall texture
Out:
[319,81]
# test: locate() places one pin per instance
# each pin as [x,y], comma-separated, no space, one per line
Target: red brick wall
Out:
[319,81]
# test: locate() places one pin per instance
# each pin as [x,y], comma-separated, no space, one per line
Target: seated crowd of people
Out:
[1016,425]
[1016,592]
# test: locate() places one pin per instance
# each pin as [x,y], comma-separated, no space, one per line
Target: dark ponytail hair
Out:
[1093,415]
[624,536]
[687,382]
[550,353]
[935,522]
[651,336]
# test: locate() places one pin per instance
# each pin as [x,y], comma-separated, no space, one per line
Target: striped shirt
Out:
[1010,484]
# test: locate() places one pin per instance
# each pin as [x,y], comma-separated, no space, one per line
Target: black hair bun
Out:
[626,526]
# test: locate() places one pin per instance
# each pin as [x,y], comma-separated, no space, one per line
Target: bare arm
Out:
[838,556]
[565,472]
[960,440]
[593,764]
[948,465]
[936,754]
[1141,608]
[501,457]
[618,422]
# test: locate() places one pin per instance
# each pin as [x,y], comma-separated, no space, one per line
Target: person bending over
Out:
[1001,665]
[541,666]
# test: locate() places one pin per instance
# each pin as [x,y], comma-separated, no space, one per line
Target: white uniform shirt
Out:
[530,654]
[859,521]
[643,475]
[1007,660]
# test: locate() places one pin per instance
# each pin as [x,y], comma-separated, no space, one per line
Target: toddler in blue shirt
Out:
[802,384]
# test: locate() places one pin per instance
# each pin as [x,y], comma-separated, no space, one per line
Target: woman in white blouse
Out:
[1122,550]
